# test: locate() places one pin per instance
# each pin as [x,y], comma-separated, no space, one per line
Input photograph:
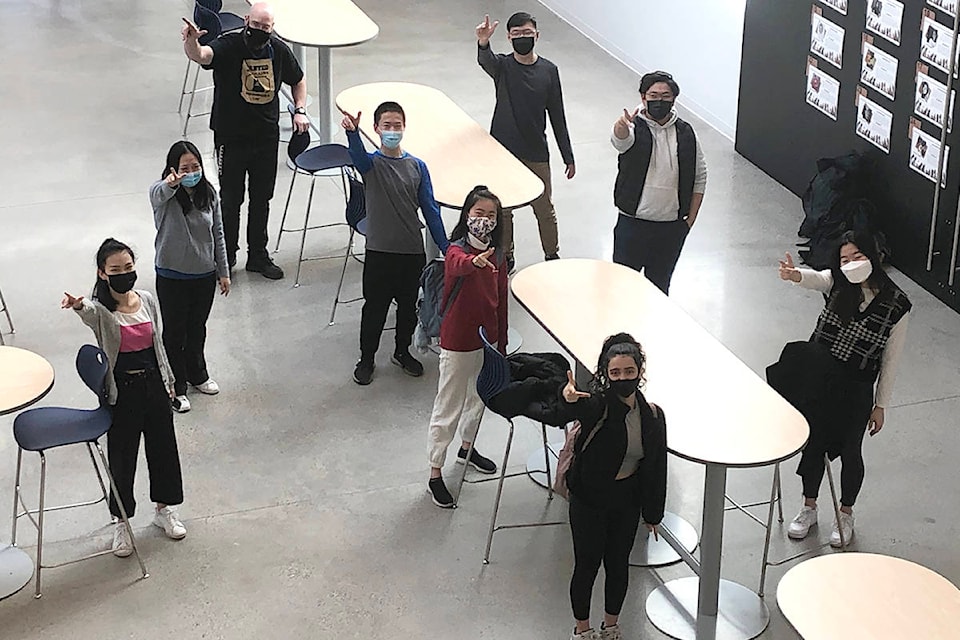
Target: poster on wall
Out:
[874,123]
[925,153]
[823,91]
[931,98]
[878,69]
[885,18]
[935,41]
[949,6]
[826,38]
[839,5]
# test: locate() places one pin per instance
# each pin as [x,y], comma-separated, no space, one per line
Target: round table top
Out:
[322,23]
[718,410]
[459,153]
[869,597]
[25,378]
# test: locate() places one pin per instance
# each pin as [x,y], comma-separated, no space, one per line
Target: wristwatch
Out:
[300,110]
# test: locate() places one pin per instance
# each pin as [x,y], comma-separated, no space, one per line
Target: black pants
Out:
[653,247]
[185,306]
[143,406]
[813,466]
[602,534]
[236,160]
[388,277]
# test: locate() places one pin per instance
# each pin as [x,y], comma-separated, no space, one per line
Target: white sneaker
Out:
[800,526]
[210,387]
[167,520]
[846,521]
[589,634]
[181,404]
[122,545]
[611,633]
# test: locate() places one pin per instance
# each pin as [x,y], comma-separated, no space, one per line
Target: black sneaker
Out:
[266,267]
[477,461]
[439,494]
[363,373]
[551,256]
[410,365]
[511,265]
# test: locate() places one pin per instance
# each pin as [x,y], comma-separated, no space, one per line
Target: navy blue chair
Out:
[493,378]
[208,20]
[6,312]
[229,21]
[47,428]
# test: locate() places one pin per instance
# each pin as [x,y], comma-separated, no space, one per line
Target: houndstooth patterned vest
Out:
[860,342]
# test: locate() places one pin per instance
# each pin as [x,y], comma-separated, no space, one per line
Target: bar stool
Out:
[51,427]
[228,22]
[6,312]
[210,21]
[493,378]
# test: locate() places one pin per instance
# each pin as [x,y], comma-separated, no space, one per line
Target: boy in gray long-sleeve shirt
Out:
[396,184]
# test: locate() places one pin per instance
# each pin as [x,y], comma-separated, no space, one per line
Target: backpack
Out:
[431,307]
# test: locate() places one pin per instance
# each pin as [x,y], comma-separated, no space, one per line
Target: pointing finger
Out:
[570,378]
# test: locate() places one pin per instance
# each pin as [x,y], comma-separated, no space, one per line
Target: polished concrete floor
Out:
[305,496]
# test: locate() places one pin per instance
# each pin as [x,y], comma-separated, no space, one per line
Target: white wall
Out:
[698,41]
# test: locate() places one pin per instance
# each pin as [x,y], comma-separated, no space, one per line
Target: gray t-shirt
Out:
[634,453]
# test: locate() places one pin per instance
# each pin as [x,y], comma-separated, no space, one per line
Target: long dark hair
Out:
[845,298]
[203,194]
[479,192]
[621,344]
[101,290]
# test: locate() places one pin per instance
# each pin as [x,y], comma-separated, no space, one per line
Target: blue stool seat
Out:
[50,427]
[326,156]
[231,21]
[361,227]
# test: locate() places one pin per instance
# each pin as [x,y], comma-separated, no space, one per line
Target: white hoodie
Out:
[660,200]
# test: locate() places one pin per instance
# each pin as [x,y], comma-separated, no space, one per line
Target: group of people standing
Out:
[155,347]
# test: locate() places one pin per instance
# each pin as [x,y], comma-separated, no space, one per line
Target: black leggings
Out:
[602,534]
[851,474]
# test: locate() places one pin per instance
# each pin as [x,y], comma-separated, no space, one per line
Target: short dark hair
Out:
[519,19]
[389,107]
[652,78]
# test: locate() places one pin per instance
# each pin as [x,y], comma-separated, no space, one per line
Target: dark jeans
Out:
[388,277]
[653,247]
[237,159]
[603,534]
[143,407]
[185,306]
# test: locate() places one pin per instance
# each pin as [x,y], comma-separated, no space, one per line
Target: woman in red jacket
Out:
[474,295]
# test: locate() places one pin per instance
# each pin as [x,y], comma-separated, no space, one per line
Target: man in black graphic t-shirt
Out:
[248,68]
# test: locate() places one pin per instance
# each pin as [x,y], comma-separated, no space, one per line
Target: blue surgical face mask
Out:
[191,179]
[391,139]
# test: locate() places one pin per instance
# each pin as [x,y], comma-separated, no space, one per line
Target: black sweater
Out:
[593,473]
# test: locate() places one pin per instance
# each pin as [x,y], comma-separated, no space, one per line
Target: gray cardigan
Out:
[192,243]
[107,329]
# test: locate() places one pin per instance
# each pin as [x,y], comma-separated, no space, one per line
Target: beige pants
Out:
[542,209]
[457,403]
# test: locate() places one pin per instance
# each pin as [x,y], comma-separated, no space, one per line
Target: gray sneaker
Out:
[589,634]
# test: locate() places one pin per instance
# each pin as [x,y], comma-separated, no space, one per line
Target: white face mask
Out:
[857,271]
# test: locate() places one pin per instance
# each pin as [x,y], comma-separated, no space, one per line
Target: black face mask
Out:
[122,282]
[624,388]
[523,45]
[256,39]
[659,109]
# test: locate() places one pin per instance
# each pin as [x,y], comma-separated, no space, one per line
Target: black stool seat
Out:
[325,156]
[50,427]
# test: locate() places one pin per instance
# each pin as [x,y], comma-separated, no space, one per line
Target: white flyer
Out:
[931,98]
[925,155]
[839,5]
[878,69]
[826,39]
[823,91]
[948,6]
[885,18]
[935,42]
[874,123]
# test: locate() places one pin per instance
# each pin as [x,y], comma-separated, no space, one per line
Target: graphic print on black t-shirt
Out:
[257,84]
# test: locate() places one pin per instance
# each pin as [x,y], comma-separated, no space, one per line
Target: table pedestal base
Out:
[672,608]
[649,552]
[16,569]
[536,465]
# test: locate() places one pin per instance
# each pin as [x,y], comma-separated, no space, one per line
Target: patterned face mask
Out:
[480,226]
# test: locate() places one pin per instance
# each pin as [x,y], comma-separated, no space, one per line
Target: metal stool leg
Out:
[546,461]
[16,497]
[343,273]
[303,235]
[776,473]
[836,503]
[283,219]
[774,493]
[123,513]
[183,89]
[466,463]
[6,312]
[496,501]
[93,459]
[43,486]
[193,92]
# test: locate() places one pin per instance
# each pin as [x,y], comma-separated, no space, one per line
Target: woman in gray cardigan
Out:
[139,383]
[191,260]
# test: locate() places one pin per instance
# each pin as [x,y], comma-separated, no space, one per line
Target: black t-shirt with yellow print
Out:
[246,84]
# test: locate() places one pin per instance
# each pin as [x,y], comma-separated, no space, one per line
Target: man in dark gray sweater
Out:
[528,88]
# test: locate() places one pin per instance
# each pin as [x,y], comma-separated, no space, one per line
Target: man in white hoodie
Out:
[660,183]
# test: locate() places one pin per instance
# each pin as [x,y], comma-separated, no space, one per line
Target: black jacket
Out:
[593,472]
[532,391]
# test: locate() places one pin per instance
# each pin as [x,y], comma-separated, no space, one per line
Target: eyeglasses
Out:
[526,33]
[659,96]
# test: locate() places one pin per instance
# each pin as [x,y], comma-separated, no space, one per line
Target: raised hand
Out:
[627,118]
[173,178]
[69,302]
[570,393]
[482,260]
[190,31]
[350,123]
[787,269]
[485,29]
